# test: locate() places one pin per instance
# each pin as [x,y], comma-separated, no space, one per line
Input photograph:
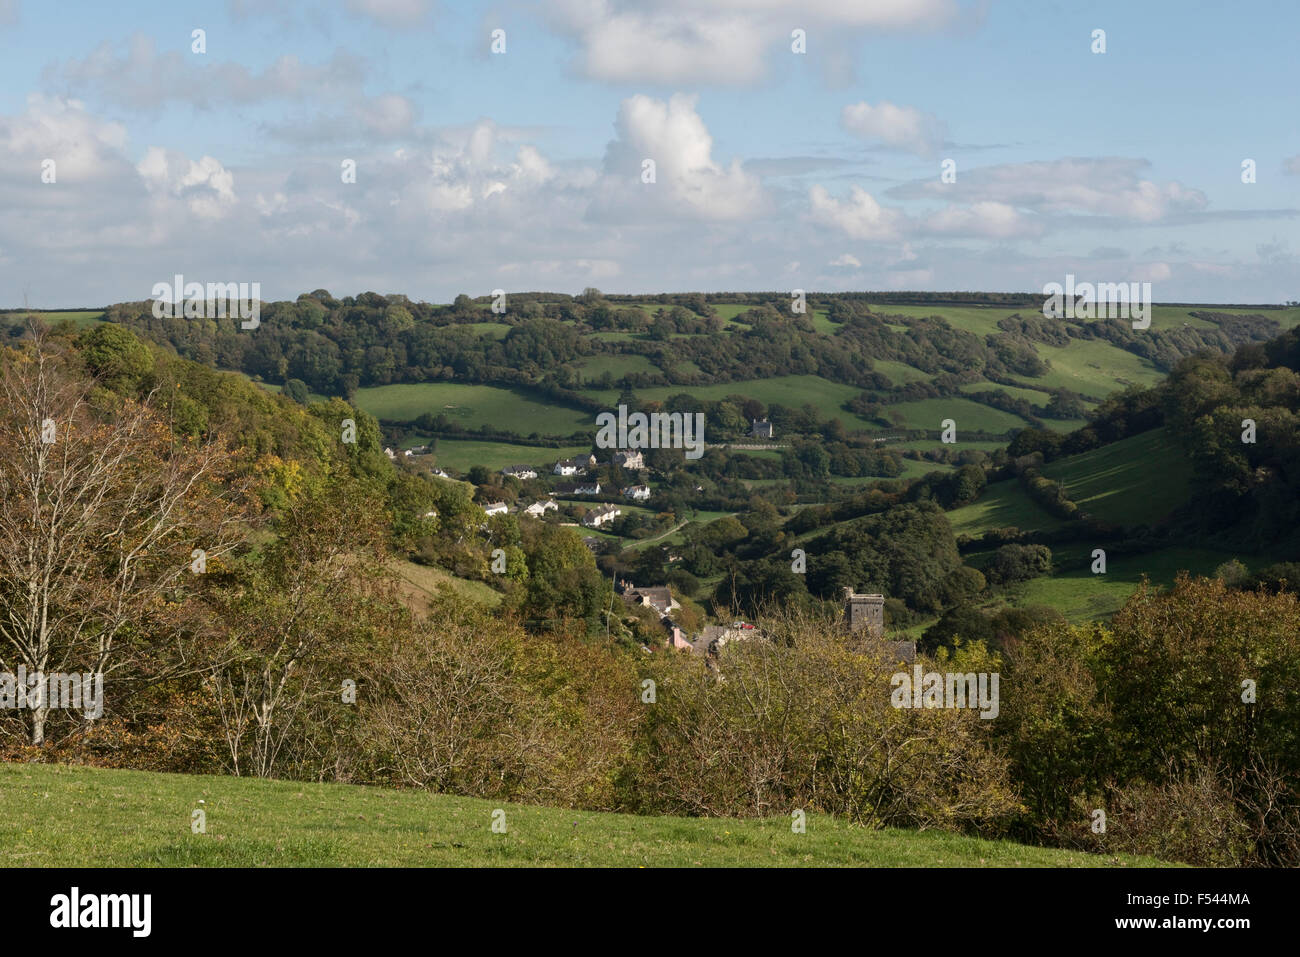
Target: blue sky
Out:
[522,170]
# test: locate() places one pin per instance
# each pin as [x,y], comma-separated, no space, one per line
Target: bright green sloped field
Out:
[1003,505]
[1080,595]
[1135,481]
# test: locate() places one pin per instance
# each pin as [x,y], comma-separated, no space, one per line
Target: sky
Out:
[795,145]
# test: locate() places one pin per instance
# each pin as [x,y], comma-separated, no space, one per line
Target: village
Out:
[573,477]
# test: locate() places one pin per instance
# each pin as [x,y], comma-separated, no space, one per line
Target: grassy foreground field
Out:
[58,816]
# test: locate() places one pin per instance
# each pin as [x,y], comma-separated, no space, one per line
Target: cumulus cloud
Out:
[846,260]
[83,146]
[718,41]
[205,187]
[902,127]
[859,217]
[688,181]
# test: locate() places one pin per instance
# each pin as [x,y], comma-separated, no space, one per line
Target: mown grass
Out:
[57,816]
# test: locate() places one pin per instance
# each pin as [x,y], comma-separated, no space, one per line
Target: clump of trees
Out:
[1180,720]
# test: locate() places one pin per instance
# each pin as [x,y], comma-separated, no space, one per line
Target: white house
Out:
[496,508]
[631,459]
[439,473]
[574,465]
[538,509]
[390,453]
[521,472]
[599,516]
[637,492]
[579,488]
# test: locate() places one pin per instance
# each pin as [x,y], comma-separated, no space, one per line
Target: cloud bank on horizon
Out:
[662,145]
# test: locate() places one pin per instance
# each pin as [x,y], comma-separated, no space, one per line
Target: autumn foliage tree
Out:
[106,518]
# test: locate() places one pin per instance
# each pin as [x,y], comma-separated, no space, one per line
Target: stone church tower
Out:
[864,613]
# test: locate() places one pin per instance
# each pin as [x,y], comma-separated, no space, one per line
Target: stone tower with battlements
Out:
[864,613]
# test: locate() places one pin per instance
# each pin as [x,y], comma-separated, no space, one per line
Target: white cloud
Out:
[902,127]
[846,260]
[719,41]
[83,146]
[1112,187]
[205,187]
[859,217]
[688,181]
[988,219]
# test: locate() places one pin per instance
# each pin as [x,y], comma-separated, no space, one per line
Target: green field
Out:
[969,416]
[1094,368]
[463,454]
[899,373]
[822,323]
[1136,481]
[1080,595]
[471,406]
[1032,396]
[792,391]
[1003,505]
[58,816]
[617,366]
[497,330]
